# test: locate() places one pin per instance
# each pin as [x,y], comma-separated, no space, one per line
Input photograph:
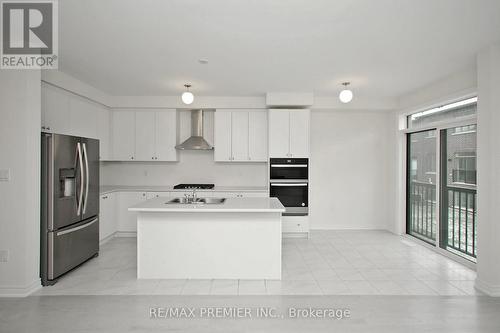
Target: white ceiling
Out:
[385,47]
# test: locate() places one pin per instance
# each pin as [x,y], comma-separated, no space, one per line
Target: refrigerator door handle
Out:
[80,163]
[80,227]
[85,155]
[50,182]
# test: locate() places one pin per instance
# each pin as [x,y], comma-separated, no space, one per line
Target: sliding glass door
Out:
[421,185]
[441,203]
[458,191]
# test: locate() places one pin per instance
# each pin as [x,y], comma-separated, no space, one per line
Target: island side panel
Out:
[209,245]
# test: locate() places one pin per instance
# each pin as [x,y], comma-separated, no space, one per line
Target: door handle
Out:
[85,155]
[80,227]
[288,165]
[80,163]
[289,184]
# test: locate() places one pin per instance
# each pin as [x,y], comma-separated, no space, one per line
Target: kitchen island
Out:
[239,238]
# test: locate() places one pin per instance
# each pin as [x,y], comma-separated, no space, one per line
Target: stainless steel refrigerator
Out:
[70,204]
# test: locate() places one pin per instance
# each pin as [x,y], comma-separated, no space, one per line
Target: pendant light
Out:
[187,96]
[346,95]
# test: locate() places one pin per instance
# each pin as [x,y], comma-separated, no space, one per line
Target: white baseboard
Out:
[126,234]
[20,291]
[295,235]
[107,239]
[488,289]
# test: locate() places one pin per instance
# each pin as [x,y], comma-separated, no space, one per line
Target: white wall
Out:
[450,87]
[488,166]
[349,169]
[20,197]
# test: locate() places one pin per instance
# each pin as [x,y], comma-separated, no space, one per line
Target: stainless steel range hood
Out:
[196,140]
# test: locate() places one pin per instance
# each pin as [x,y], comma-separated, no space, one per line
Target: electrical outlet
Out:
[4,255]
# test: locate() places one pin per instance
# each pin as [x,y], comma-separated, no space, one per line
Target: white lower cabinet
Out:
[107,216]
[295,224]
[127,221]
[115,216]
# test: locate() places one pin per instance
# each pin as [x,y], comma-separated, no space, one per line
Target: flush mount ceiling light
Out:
[345,95]
[187,96]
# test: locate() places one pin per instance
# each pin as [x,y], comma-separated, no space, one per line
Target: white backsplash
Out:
[193,167]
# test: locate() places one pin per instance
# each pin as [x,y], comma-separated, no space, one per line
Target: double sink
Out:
[198,201]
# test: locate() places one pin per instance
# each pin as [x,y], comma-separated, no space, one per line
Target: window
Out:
[458,227]
[421,187]
[464,168]
[452,111]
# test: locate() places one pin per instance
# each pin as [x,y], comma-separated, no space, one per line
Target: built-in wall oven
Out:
[289,182]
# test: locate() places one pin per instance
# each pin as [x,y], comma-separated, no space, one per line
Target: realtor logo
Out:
[29,34]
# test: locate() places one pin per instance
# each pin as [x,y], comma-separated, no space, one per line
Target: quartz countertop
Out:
[170,188]
[231,205]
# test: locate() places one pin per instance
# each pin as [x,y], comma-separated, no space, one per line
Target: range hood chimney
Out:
[196,140]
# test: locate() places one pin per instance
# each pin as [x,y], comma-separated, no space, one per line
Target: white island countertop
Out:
[104,189]
[235,205]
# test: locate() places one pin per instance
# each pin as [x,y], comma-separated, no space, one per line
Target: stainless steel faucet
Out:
[191,198]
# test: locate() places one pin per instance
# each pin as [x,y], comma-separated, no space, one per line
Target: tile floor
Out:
[328,263]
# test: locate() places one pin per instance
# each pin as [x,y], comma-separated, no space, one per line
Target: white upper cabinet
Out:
[223,136]
[84,114]
[299,133]
[145,135]
[123,128]
[257,136]
[104,133]
[166,135]
[124,135]
[66,113]
[55,110]
[240,136]
[279,133]
[289,133]
[145,128]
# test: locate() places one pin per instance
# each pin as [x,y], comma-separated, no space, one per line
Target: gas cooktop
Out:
[194,186]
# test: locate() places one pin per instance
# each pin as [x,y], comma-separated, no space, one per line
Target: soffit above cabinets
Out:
[289,99]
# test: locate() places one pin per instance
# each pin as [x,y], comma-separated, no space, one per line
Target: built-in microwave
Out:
[290,184]
[289,168]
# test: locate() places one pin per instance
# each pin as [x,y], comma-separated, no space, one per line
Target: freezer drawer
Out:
[69,247]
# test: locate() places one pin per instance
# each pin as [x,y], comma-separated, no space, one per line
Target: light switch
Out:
[4,175]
